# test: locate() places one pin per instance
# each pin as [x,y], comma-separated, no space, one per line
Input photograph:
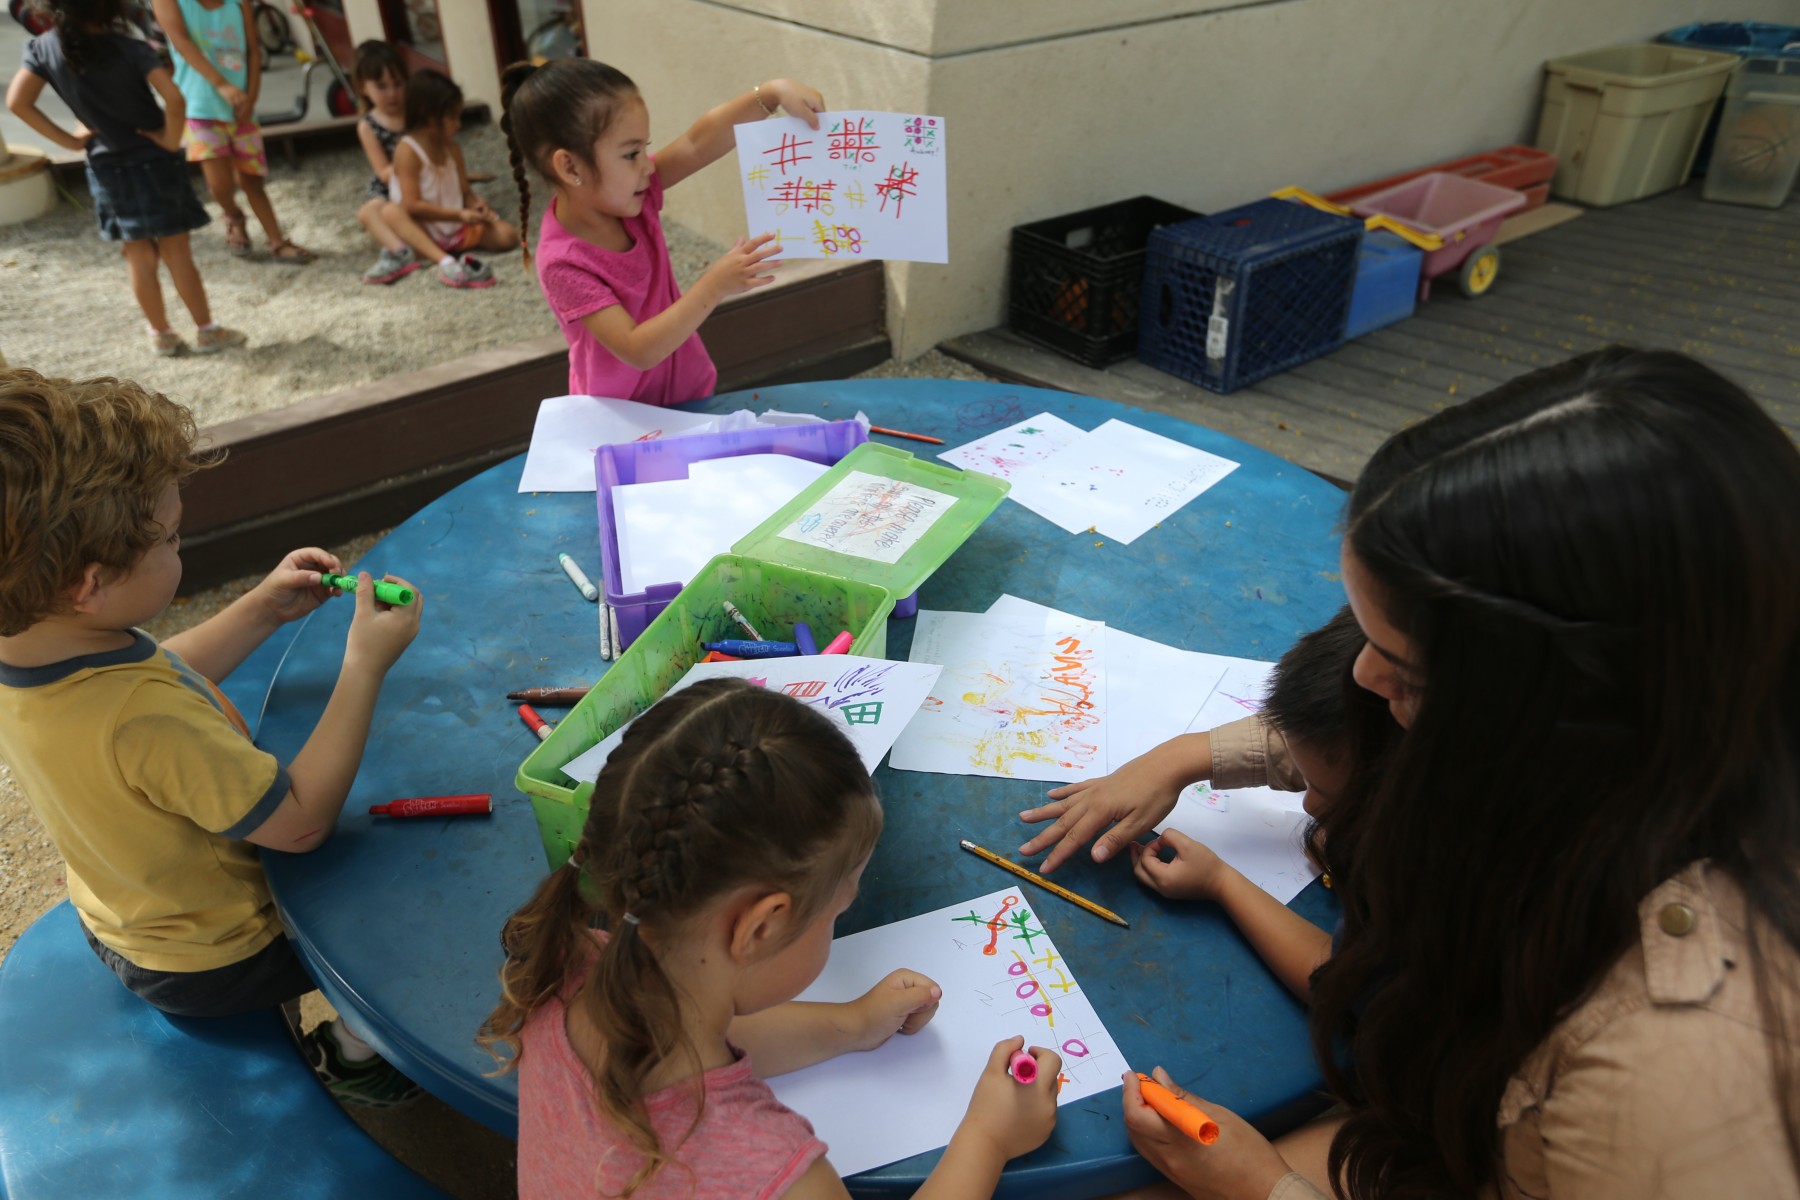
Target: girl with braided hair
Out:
[605,269]
[649,984]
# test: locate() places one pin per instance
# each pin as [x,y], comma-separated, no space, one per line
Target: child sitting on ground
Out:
[430,205]
[140,769]
[218,68]
[135,171]
[1316,730]
[601,257]
[379,77]
[725,836]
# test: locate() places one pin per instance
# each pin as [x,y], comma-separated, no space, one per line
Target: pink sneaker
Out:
[466,272]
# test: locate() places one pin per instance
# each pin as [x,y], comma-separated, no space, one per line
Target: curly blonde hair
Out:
[82,466]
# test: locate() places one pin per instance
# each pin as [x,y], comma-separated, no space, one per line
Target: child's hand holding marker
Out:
[292,589]
[1006,1116]
[380,632]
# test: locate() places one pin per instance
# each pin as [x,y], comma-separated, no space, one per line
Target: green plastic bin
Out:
[775,581]
[1626,122]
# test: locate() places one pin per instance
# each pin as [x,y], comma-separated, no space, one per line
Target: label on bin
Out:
[868,516]
[1218,332]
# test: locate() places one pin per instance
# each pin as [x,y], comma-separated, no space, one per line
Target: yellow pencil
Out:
[1103,913]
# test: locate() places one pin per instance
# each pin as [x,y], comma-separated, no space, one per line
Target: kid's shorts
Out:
[454,239]
[270,977]
[241,143]
[140,201]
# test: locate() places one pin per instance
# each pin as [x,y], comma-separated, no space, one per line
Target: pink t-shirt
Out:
[748,1144]
[580,278]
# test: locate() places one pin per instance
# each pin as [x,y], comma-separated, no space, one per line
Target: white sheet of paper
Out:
[570,428]
[669,529]
[868,516]
[1002,976]
[862,185]
[1119,480]
[871,698]
[1005,453]
[1022,696]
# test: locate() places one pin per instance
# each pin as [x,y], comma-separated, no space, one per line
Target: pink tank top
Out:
[747,1145]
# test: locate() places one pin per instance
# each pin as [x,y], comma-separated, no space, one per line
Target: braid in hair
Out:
[511,81]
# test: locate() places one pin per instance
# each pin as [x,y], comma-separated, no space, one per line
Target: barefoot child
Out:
[725,836]
[219,73]
[601,257]
[430,205]
[135,171]
[142,772]
[379,77]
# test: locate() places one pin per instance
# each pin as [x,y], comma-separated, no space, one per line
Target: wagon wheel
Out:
[1479,270]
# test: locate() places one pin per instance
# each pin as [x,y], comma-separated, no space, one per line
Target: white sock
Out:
[354,1048]
[209,327]
[447,260]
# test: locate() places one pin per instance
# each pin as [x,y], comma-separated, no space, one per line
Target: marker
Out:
[558,697]
[731,610]
[1055,888]
[715,656]
[436,806]
[803,638]
[608,648]
[387,593]
[538,725]
[578,577]
[1178,1112]
[612,625]
[745,649]
[901,433]
[1023,1067]
[839,644]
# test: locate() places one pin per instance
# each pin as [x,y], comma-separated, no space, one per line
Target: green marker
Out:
[387,593]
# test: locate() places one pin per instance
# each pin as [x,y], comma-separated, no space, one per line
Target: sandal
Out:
[237,236]
[290,253]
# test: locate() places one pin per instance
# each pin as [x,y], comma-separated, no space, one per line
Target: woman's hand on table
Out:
[1133,800]
[904,1002]
[292,589]
[1241,1165]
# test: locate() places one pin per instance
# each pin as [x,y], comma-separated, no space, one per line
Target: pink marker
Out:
[839,644]
[1023,1067]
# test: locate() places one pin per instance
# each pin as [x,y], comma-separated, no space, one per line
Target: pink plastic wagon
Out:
[1463,213]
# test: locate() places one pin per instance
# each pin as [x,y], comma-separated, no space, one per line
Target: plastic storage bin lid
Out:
[880,516]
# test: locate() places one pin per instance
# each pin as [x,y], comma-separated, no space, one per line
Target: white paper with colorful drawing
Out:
[869,516]
[871,698]
[1256,830]
[1118,480]
[863,185]
[1001,975]
[1011,450]
[1022,696]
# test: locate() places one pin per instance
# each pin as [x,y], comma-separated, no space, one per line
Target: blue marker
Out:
[803,638]
[742,648]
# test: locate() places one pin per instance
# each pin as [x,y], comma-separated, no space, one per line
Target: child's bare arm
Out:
[22,97]
[218,644]
[379,162]
[321,774]
[710,138]
[644,344]
[174,110]
[252,58]
[791,1036]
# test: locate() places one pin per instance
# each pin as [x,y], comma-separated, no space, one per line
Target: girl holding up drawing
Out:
[725,836]
[601,258]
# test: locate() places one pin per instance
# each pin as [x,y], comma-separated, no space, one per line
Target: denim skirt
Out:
[135,201]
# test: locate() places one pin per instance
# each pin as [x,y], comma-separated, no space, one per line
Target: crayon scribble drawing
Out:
[1119,480]
[1002,976]
[1021,697]
[868,516]
[1005,453]
[862,185]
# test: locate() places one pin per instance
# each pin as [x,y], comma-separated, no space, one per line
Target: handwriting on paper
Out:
[869,516]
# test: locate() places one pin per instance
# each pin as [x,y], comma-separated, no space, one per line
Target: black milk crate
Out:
[1236,297]
[1075,279]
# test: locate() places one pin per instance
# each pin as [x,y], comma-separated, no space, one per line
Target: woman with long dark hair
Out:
[1570,960]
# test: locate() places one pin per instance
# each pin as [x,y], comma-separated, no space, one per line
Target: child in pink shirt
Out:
[725,836]
[601,257]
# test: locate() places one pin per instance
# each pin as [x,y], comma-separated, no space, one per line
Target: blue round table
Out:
[400,920]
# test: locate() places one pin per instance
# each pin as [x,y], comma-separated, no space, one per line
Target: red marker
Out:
[839,644]
[436,806]
[1023,1067]
[538,725]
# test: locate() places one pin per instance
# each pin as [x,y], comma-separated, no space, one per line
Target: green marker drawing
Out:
[387,593]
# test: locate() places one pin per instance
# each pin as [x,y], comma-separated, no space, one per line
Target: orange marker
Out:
[1178,1112]
[715,656]
[536,723]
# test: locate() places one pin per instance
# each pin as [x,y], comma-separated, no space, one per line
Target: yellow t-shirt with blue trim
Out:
[145,777]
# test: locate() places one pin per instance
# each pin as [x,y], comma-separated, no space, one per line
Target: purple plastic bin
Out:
[669,458]
[1465,212]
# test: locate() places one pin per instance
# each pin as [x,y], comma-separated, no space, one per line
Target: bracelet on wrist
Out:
[756,93]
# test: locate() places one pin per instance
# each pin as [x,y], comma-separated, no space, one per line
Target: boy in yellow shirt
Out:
[142,772]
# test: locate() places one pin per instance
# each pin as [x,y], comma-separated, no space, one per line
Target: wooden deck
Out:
[1716,281]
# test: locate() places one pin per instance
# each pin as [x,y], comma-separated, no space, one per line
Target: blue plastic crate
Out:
[1746,39]
[1236,297]
[1387,283]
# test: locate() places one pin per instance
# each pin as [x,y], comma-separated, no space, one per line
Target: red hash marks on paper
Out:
[787,152]
[811,687]
[902,181]
[807,195]
[853,141]
[833,240]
